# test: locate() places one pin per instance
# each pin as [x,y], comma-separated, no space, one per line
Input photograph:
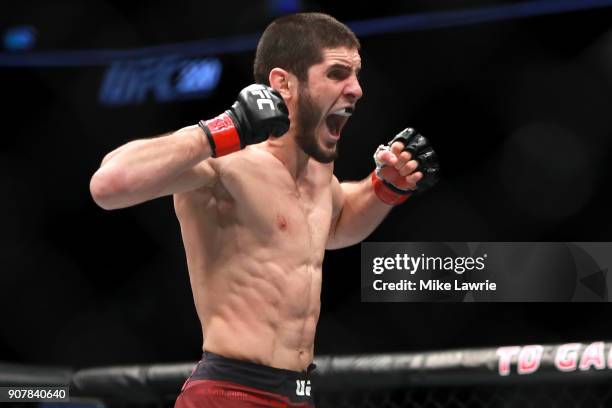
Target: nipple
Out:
[281,222]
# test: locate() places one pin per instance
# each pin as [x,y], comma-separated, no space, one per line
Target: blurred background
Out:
[516,97]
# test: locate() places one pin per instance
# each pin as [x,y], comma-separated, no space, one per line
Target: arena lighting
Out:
[280,7]
[363,28]
[20,38]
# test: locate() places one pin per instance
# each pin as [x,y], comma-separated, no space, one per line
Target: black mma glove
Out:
[258,112]
[387,190]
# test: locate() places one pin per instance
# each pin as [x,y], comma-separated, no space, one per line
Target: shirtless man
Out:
[258,204]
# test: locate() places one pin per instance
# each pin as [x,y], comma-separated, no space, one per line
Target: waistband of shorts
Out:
[264,369]
[276,380]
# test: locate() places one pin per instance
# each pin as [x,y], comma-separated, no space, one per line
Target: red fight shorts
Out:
[220,382]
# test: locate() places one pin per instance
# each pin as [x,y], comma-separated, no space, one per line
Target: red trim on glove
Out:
[385,194]
[224,134]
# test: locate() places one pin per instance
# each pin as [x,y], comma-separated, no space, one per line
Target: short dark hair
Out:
[295,42]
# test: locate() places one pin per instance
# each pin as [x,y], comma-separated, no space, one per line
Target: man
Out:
[258,204]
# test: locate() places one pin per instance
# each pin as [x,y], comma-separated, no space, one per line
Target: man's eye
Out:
[337,75]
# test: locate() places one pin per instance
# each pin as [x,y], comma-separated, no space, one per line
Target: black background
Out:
[518,110]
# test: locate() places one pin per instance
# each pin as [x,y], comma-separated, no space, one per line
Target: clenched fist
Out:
[405,165]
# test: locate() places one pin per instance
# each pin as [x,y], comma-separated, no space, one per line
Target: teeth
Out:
[343,112]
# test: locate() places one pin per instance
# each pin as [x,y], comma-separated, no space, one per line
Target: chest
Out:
[269,201]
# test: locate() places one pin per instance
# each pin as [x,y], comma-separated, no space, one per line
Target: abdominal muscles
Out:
[260,309]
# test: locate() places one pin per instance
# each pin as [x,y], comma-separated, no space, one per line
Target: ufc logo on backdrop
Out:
[303,388]
[264,98]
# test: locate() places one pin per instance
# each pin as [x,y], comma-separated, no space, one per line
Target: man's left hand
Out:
[405,165]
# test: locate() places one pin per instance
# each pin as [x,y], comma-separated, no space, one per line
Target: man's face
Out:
[326,101]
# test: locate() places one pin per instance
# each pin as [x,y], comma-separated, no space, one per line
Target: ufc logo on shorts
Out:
[264,98]
[303,388]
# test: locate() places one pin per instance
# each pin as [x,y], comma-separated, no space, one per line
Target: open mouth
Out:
[336,120]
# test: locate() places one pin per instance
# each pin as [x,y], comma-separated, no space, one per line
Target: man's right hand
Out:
[258,113]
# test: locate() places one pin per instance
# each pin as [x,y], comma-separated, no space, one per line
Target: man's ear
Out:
[283,82]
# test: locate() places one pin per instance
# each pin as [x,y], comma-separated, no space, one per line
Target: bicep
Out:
[337,205]
[337,198]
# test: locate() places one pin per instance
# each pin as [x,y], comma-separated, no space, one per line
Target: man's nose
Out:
[353,90]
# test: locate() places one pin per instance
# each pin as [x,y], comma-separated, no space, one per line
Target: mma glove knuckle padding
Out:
[261,111]
[420,149]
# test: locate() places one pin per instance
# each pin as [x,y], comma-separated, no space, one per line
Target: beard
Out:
[308,117]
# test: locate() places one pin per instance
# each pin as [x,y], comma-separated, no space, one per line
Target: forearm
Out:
[142,169]
[366,203]
[361,213]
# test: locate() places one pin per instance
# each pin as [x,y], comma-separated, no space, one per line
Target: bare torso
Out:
[255,244]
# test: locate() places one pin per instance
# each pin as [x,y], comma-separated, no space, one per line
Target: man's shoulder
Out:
[233,170]
[245,157]
[249,165]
